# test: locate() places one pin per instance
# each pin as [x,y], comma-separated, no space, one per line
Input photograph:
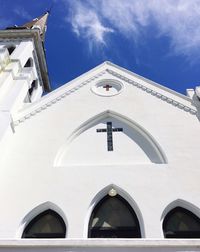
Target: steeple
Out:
[23,64]
[38,23]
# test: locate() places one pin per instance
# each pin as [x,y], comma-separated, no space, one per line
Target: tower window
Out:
[181,223]
[33,86]
[48,224]
[10,49]
[29,63]
[113,217]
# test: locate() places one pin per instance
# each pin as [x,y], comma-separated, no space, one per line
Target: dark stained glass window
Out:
[113,217]
[48,224]
[181,223]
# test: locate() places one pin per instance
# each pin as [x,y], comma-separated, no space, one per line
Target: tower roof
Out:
[38,23]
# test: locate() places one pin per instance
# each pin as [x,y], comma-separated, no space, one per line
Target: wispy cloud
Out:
[20,11]
[177,19]
[87,23]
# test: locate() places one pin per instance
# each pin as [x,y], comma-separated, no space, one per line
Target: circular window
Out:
[107,87]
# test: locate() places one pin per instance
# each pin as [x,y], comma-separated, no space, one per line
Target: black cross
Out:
[107,87]
[109,131]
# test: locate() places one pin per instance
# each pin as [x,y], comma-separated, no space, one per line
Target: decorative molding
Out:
[100,87]
[115,74]
[154,93]
[55,100]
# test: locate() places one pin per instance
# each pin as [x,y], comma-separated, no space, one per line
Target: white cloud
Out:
[177,19]
[86,23]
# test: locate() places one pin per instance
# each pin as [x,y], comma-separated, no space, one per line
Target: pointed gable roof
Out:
[108,70]
[39,23]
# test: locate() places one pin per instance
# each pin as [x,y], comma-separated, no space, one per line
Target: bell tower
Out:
[23,70]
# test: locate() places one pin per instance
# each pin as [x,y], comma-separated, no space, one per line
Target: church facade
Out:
[109,161]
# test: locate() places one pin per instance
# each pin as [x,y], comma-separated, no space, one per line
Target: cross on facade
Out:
[109,131]
[107,87]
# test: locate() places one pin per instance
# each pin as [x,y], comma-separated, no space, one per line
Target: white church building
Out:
[108,162]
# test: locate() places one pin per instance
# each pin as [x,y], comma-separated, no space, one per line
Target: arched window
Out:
[113,217]
[47,224]
[181,223]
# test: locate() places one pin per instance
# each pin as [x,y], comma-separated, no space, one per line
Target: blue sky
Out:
[158,39]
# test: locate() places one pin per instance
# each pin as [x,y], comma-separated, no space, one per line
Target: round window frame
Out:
[118,85]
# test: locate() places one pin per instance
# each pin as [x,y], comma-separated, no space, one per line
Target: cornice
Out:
[153,92]
[23,34]
[152,83]
[57,99]
[143,88]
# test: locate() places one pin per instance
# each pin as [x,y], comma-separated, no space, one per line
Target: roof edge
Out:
[109,63]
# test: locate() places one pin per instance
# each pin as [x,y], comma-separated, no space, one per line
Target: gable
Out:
[58,115]
[110,73]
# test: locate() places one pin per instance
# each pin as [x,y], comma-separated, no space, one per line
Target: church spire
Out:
[38,23]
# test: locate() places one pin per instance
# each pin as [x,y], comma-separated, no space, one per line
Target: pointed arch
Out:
[47,224]
[181,219]
[46,210]
[124,204]
[180,203]
[141,137]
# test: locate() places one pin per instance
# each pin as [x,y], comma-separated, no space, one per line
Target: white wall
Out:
[36,170]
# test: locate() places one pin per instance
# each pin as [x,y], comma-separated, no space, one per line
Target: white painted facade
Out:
[54,158]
